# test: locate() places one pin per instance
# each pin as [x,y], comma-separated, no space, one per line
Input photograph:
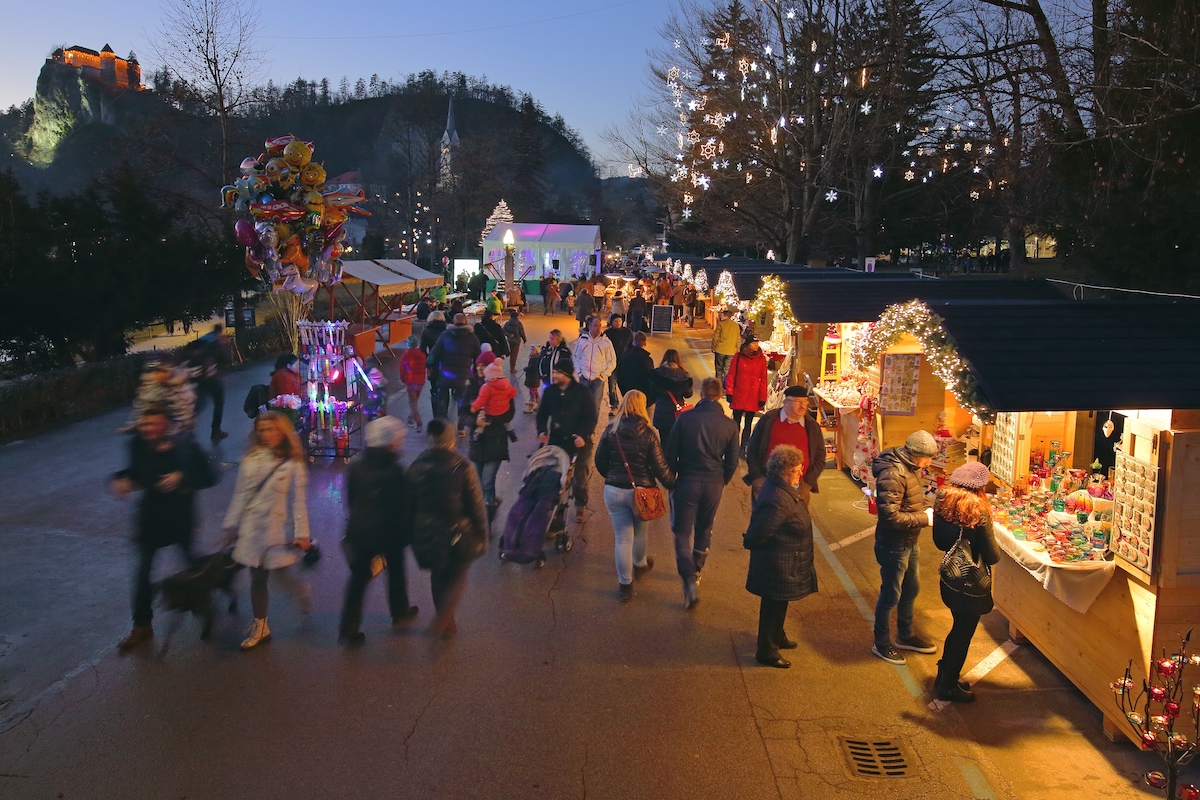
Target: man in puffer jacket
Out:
[902,514]
[451,362]
[566,418]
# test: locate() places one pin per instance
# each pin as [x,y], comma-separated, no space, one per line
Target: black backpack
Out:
[256,398]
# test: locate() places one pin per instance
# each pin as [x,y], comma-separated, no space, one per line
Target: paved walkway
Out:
[552,690]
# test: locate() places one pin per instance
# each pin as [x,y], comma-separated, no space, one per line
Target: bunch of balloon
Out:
[294,228]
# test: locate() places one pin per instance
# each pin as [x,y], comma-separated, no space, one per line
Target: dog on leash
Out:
[194,590]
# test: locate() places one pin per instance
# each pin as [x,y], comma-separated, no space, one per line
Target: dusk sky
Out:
[589,67]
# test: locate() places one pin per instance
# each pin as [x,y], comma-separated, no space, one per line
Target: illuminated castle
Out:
[104,67]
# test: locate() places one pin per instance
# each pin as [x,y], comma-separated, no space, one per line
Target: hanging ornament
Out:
[1189,792]
[831,195]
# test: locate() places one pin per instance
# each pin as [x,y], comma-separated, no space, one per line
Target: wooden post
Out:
[1112,731]
[1015,634]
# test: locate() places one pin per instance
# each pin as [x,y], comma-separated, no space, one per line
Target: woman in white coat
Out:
[272,468]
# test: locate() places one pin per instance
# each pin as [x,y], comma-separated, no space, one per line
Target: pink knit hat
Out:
[485,358]
[494,370]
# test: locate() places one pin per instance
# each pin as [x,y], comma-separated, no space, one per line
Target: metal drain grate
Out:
[872,758]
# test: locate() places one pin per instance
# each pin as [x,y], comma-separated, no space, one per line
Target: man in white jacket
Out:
[594,360]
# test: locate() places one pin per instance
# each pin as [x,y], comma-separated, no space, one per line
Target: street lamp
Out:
[512,298]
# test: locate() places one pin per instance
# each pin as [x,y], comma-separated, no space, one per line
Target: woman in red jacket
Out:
[746,385]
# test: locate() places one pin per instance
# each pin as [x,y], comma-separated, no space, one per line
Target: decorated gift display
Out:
[1157,709]
[1135,495]
[330,420]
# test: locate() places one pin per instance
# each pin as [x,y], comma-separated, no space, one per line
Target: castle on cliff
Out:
[104,67]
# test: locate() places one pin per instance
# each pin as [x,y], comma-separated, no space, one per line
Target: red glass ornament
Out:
[1149,740]
[1172,709]
[1166,667]
[1158,694]
[1189,792]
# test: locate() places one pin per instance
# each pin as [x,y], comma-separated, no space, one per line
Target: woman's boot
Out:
[259,633]
[947,688]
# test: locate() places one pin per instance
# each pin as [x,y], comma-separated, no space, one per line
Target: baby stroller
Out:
[539,509]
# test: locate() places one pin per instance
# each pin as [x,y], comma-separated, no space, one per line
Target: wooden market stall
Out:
[381,291]
[1055,373]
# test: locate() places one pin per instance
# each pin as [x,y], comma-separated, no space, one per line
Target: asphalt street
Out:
[551,690]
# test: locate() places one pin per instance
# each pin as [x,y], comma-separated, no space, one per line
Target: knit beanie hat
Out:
[566,366]
[972,476]
[385,432]
[486,357]
[493,370]
[441,433]
[921,444]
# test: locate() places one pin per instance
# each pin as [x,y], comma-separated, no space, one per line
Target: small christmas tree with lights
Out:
[725,291]
[500,214]
[701,281]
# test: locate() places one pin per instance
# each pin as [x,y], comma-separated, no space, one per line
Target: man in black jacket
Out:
[167,471]
[621,338]
[771,431]
[488,330]
[378,526]
[903,512]
[703,451]
[451,362]
[634,368]
[567,418]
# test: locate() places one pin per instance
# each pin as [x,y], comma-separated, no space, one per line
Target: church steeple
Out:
[449,144]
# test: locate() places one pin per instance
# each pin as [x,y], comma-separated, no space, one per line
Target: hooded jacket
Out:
[452,359]
[900,498]
[746,383]
[673,379]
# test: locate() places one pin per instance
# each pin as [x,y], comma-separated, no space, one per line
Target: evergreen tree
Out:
[529,161]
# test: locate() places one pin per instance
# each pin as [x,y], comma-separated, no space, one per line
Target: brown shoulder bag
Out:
[648,501]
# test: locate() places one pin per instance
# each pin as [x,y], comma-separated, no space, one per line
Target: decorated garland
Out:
[915,318]
[772,296]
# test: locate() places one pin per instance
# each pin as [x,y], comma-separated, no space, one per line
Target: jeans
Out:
[448,585]
[212,387]
[583,471]
[487,479]
[143,592]
[359,560]
[614,392]
[439,398]
[628,530]
[414,402]
[954,652]
[694,506]
[721,367]
[899,573]
[771,616]
[596,386]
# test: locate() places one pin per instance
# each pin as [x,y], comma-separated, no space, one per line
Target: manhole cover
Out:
[876,758]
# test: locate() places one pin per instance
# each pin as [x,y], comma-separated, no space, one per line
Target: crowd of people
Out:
[444,505]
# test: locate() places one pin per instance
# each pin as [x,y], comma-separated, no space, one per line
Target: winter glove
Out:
[762,404]
[729,399]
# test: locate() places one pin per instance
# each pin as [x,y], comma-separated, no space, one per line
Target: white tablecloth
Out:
[1077,583]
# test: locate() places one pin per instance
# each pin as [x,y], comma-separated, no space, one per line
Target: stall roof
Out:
[400,266]
[864,296]
[389,282]
[1079,355]
[748,277]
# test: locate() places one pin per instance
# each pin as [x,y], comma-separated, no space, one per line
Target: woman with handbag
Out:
[671,386]
[271,483]
[962,526]
[780,542]
[630,457]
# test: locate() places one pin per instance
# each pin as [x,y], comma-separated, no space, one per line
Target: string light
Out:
[915,319]
[772,296]
[725,291]
[502,213]
[701,280]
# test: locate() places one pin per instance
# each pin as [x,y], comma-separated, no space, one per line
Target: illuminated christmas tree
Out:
[500,214]
[772,296]
[725,291]
[701,281]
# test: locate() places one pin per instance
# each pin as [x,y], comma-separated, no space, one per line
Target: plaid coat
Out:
[780,543]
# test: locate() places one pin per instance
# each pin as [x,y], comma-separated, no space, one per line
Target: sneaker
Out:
[139,635]
[640,571]
[889,654]
[916,644]
[624,592]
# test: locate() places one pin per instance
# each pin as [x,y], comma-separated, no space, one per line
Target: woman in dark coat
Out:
[670,377]
[434,326]
[962,509]
[781,552]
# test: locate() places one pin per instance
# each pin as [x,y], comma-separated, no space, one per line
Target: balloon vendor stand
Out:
[332,415]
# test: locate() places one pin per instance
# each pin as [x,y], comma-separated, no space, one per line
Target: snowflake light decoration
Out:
[831,195]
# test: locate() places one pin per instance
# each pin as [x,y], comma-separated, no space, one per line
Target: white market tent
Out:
[423,278]
[388,282]
[539,245]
